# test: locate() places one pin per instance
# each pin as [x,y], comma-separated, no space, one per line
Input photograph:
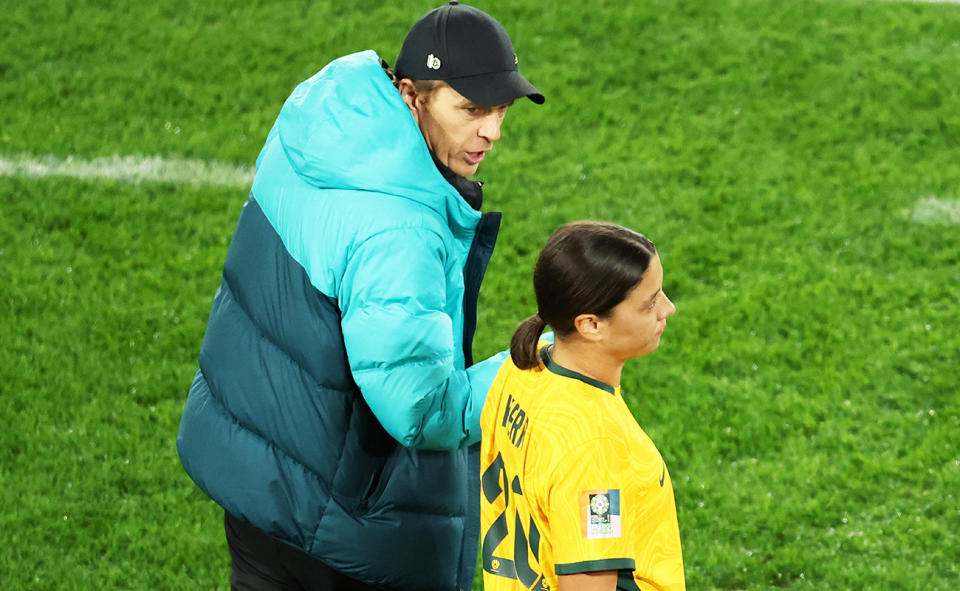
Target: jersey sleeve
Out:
[590,503]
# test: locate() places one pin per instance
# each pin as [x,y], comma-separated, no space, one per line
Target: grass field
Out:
[796,162]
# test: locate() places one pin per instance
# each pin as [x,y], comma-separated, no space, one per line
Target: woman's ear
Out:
[408,92]
[588,326]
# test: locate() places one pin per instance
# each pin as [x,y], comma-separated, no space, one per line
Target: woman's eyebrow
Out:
[654,296]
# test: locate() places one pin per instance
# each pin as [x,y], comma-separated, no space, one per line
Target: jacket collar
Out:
[471,191]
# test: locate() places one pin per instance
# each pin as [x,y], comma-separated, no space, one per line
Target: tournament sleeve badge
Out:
[600,513]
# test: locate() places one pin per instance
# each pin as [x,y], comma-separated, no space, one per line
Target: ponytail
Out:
[523,345]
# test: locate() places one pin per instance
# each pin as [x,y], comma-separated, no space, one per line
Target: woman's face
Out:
[634,326]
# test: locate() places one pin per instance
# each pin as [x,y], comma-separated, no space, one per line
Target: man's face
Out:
[457,131]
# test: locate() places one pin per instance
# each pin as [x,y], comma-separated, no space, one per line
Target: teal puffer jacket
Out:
[334,407]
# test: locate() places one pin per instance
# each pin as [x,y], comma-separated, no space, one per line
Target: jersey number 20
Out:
[495,483]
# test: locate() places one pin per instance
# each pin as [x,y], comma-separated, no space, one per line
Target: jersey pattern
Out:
[571,484]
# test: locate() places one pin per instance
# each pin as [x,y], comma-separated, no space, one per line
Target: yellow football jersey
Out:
[571,484]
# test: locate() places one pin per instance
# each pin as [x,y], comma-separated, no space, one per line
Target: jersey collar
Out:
[567,373]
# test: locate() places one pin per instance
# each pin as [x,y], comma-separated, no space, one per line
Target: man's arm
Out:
[401,343]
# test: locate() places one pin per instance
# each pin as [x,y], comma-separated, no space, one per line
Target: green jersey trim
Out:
[567,373]
[626,582]
[593,566]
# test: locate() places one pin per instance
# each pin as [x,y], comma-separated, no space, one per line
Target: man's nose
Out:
[490,128]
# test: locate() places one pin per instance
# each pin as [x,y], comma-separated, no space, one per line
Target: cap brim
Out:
[488,90]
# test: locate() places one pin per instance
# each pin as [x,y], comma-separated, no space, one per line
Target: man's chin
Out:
[465,170]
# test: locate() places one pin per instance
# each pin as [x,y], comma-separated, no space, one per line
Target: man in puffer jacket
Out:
[336,402]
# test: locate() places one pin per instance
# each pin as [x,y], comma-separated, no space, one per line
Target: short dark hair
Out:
[586,267]
[424,88]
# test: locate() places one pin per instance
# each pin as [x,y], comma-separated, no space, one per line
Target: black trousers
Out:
[260,562]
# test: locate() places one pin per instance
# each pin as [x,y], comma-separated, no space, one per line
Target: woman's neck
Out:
[587,360]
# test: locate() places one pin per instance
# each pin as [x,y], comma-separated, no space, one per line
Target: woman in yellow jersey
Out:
[575,496]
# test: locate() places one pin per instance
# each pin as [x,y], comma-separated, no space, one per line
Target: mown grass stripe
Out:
[133,169]
[926,1]
[938,212]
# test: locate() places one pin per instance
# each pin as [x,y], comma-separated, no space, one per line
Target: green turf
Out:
[805,396]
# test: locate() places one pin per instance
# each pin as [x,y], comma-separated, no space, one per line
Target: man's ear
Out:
[588,326]
[408,92]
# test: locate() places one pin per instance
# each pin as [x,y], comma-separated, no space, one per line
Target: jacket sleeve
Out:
[400,342]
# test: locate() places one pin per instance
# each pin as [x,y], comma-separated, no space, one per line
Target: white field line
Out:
[937,212]
[130,169]
[930,211]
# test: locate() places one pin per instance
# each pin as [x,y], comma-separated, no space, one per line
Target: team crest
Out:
[600,511]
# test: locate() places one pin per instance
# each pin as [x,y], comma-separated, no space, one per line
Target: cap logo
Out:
[433,62]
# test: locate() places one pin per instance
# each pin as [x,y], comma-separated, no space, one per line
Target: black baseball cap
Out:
[469,50]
